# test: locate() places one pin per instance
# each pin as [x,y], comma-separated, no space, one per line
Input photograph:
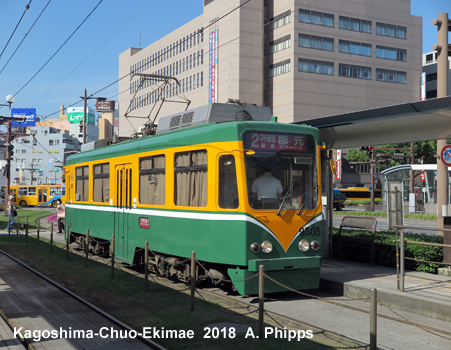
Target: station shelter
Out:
[425,186]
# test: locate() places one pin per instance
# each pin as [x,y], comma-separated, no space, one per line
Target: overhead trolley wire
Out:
[173,48]
[65,42]
[17,25]
[25,36]
[128,20]
[131,73]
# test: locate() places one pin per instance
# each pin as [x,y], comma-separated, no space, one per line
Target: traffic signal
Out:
[368,149]
[9,151]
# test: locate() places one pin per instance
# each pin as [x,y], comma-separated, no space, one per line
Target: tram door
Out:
[124,204]
[42,195]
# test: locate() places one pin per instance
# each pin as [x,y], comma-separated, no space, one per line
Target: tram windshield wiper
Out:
[284,201]
[301,209]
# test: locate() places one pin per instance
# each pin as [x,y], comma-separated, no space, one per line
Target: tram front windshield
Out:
[281,171]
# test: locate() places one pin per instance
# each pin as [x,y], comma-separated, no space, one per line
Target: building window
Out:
[279,68]
[152,180]
[316,67]
[391,30]
[354,24]
[356,72]
[82,184]
[354,48]
[190,188]
[280,44]
[431,77]
[390,53]
[280,20]
[391,76]
[318,18]
[316,42]
[101,176]
[430,58]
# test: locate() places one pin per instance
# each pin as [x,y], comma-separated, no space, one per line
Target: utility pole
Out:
[31,169]
[442,47]
[85,99]
[85,106]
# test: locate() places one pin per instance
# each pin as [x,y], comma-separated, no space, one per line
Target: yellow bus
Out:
[38,195]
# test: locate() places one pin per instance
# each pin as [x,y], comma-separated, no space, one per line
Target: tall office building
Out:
[303,59]
[429,77]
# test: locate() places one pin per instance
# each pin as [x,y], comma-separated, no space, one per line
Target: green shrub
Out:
[384,249]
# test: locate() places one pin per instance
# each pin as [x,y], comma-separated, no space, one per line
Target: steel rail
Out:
[99,259]
[114,320]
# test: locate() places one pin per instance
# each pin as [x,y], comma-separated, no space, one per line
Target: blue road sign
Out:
[446,155]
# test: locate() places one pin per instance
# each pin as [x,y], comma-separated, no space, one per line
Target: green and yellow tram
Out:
[189,188]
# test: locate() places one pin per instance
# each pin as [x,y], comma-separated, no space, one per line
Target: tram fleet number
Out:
[309,231]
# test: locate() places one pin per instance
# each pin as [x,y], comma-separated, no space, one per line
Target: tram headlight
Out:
[255,247]
[304,245]
[266,247]
[314,245]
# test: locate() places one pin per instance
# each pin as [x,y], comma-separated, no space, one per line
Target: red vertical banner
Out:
[338,164]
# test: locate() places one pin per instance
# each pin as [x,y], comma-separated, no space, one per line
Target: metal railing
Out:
[400,250]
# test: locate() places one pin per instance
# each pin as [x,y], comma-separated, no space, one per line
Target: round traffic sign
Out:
[445,154]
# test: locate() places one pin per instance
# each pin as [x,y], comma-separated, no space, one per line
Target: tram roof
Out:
[407,122]
[196,135]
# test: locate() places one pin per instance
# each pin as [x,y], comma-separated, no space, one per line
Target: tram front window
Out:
[281,171]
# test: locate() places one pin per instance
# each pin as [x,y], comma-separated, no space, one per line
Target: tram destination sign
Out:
[266,141]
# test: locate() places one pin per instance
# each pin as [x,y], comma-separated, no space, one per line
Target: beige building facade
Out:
[302,59]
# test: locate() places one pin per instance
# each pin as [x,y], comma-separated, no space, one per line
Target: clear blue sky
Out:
[60,19]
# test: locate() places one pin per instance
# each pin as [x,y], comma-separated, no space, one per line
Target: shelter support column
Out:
[442,22]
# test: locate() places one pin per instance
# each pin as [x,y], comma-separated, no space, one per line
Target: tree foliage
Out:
[425,152]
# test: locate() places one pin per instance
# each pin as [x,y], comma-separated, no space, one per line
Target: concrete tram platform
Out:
[424,294]
[7,340]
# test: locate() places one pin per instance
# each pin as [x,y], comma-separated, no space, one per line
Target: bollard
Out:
[51,238]
[146,266]
[67,241]
[397,257]
[373,319]
[193,279]
[401,258]
[261,301]
[112,255]
[87,248]
[37,233]
[17,227]
[26,231]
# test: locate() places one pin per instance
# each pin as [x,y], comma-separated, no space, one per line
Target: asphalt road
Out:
[382,223]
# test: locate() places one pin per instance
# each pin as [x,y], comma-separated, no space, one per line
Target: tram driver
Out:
[267,190]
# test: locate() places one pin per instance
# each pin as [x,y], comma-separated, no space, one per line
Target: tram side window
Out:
[191,178]
[101,176]
[82,184]
[152,180]
[22,191]
[55,191]
[228,190]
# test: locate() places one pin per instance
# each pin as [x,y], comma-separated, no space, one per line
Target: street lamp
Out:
[85,99]
[10,99]
[9,147]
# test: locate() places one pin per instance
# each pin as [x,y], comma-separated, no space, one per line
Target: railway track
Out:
[147,342]
[281,318]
